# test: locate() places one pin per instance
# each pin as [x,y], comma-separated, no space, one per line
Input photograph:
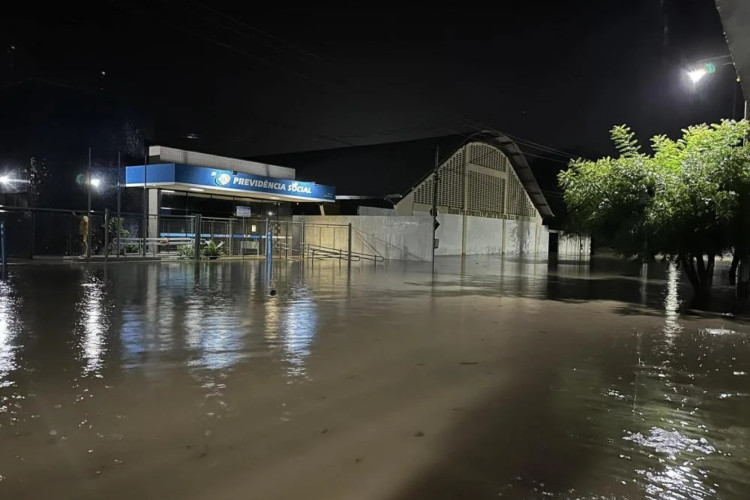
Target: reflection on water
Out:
[645,401]
[9,327]
[93,323]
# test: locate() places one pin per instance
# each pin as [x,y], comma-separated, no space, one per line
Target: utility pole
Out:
[118,225]
[88,210]
[145,198]
[435,181]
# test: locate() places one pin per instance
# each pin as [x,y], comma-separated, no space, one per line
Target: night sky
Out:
[252,79]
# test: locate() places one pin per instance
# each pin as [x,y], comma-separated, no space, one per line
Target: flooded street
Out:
[496,378]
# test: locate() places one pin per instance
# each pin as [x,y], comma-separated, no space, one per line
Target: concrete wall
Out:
[570,245]
[484,236]
[408,238]
[449,233]
[392,237]
[375,211]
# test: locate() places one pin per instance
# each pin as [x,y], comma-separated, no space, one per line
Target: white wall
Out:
[484,236]
[571,245]
[375,211]
[409,238]
[449,234]
[391,237]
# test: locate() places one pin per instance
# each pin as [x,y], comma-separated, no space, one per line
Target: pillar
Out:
[154,209]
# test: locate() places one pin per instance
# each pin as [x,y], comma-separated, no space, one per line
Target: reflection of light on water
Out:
[93,324]
[292,324]
[676,480]
[8,329]
[670,442]
[718,331]
[672,303]
[298,324]
[213,332]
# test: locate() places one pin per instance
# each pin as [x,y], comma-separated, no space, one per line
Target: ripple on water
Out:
[671,443]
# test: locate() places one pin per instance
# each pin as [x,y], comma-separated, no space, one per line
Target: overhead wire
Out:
[268,35]
[338,139]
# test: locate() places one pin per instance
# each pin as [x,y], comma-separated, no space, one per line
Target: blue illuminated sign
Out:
[165,174]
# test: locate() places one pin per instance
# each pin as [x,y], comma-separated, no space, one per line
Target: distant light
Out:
[696,74]
[270,213]
[5,179]
[167,191]
[197,189]
[191,136]
[95,182]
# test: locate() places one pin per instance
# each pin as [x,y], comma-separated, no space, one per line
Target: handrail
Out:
[340,253]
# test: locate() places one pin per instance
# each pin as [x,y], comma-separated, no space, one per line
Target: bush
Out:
[211,250]
[186,251]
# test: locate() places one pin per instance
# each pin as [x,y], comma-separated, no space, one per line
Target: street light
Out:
[743,261]
[6,180]
[95,183]
[696,74]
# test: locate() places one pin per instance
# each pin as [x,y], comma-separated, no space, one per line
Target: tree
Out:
[689,201]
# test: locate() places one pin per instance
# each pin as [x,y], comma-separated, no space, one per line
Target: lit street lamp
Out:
[708,67]
[696,74]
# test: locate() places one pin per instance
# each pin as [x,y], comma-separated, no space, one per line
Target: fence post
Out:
[349,245]
[197,235]
[106,234]
[4,255]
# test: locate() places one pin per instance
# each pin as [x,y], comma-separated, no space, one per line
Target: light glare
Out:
[696,74]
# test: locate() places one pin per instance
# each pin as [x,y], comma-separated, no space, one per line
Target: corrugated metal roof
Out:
[517,160]
[398,167]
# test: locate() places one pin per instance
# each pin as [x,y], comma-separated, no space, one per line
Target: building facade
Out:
[487,200]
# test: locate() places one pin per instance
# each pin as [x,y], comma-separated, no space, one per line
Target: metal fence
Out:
[34,232]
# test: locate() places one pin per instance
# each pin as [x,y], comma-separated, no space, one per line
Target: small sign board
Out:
[242,211]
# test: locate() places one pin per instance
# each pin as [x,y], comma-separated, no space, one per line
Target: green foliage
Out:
[186,251]
[690,198]
[212,250]
[625,141]
[117,227]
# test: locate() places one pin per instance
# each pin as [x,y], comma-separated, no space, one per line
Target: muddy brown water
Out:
[494,378]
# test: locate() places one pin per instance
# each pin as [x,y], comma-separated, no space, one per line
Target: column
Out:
[154,210]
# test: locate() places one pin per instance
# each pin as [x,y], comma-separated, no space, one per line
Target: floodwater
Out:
[496,378]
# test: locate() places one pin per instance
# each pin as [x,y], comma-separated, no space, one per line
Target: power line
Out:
[224,45]
[271,36]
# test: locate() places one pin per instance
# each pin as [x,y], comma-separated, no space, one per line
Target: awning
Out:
[194,178]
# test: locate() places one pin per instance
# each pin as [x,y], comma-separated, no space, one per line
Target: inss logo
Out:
[223,179]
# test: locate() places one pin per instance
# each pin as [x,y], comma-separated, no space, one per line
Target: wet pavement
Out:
[496,378]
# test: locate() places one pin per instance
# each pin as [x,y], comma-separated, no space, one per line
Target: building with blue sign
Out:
[180,182]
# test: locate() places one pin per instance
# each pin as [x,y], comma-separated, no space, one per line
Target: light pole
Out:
[709,66]
[741,257]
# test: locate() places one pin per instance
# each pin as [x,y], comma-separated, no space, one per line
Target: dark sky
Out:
[252,78]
